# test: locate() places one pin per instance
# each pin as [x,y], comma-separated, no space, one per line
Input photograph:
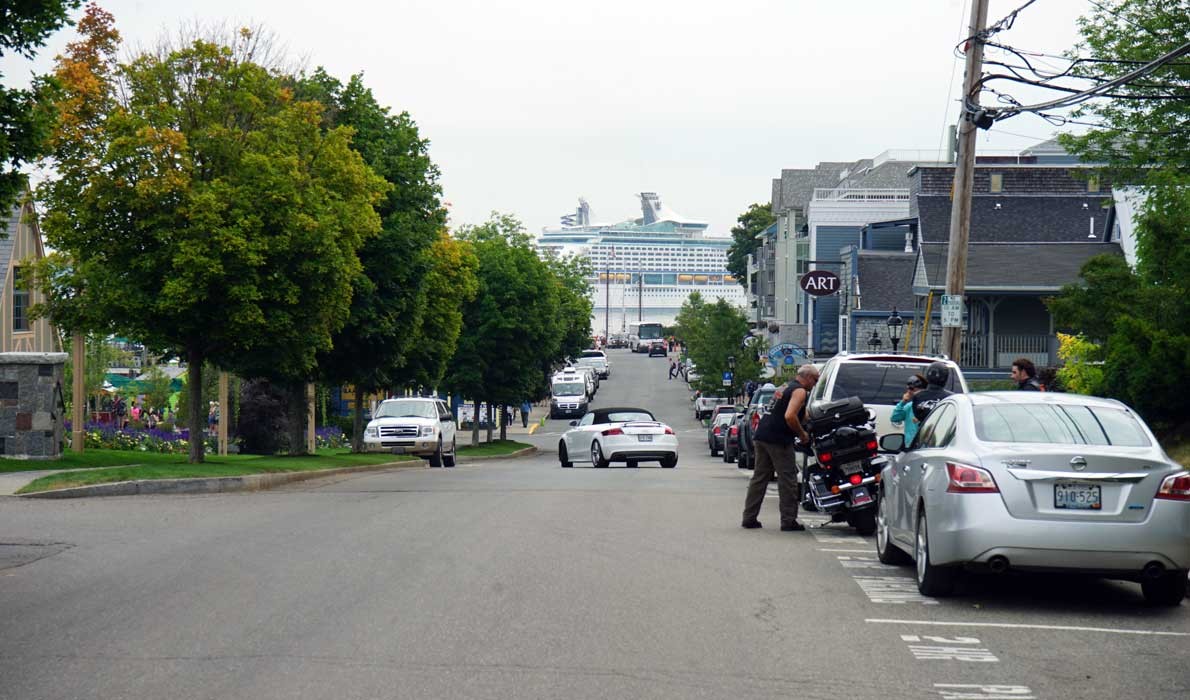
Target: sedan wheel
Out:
[933,581]
[563,457]
[669,462]
[1168,590]
[597,459]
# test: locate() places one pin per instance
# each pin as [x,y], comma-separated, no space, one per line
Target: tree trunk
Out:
[503,422]
[491,418]
[475,425]
[357,421]
[198,412]
[296,396]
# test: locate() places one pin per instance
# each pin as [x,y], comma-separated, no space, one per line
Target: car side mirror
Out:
[573,423]
[893,442]
[447,418]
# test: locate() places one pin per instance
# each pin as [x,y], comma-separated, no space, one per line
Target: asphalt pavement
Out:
[519,579]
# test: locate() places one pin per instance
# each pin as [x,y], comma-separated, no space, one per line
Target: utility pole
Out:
[78,392]
[964,174]
[640,297]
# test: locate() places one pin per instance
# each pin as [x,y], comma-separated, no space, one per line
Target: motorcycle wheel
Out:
[864,521]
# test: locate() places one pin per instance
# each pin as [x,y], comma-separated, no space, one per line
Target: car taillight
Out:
[735,430]
[612,431]
[669,431]
[755,420]
[855,479]
[967,479]
[716,430]
[1176,487]
[872,445]
[825,457]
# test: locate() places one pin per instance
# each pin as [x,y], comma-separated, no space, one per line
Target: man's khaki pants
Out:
[771,457]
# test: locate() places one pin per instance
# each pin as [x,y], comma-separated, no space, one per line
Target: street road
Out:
[519,579]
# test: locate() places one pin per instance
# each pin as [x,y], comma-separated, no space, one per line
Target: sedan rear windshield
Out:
[724,418]
[1058,425]
[407,409]
[880,382]
[628,416]
[594,353]
[590,361]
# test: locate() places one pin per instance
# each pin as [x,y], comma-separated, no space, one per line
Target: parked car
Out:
[731,440]
[691,373]
[753,412]
[596,359]
[705,405]
[569,394]
[1033,481]
[629,435]
[413,426]
[657,349]
[717,431]
[878,380]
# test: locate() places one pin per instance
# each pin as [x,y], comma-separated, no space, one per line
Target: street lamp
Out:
[896,324]
[874,342]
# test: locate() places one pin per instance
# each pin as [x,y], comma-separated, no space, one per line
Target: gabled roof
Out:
[1019,219]
[885,280]
[1025,267]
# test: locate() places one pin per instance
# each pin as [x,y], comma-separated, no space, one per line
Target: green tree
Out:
[156,388]
[25,115]
[202,210]
[751,223]
[1141,318]
[390,295]
[573,278]
[512,326]
[100,355]
[718,328]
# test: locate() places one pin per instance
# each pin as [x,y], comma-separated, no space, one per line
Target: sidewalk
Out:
[12,482]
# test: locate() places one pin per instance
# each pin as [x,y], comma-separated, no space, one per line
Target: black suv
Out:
[657,348]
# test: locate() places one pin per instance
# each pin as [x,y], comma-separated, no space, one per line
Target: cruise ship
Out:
[644,269]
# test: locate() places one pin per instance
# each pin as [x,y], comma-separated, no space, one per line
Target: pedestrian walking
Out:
[774,447]
[526,408]
[673,368]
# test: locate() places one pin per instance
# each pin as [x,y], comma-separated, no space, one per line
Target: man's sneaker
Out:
[795,527]
[750,524]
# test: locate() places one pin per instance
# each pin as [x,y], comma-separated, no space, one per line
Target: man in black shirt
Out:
[1024,373]
[773,444]
[937,375]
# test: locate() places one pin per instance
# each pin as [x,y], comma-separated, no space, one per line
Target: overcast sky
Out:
[530,104]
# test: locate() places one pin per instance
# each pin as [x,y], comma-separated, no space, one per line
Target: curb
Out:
[221,484]
[245,482]
[525,452]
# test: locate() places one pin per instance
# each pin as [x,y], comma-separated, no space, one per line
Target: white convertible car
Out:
[629,435]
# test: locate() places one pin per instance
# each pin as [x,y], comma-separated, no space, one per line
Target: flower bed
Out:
[106,436]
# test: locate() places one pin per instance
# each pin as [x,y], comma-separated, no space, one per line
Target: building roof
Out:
[1009,266]
[1066,218]
[797,186]
[885,280]
[9,227]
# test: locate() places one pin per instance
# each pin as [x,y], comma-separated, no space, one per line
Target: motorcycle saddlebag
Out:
[827,415]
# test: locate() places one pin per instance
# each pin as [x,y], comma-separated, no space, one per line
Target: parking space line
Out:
[847,551]
[1011,625]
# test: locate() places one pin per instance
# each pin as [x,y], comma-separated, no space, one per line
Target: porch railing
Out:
[1034,347]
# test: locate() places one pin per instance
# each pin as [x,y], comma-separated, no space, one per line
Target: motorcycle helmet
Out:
[937,373]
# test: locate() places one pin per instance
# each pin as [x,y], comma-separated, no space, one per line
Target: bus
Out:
[640,335]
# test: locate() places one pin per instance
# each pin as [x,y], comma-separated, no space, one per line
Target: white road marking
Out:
[969,691]
[850,562]
[943,652]
[892,589]
[1010,625]
[848,551]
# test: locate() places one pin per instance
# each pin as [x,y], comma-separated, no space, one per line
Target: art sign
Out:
[819,283]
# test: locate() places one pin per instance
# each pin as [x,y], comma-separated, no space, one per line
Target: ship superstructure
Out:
[645,268]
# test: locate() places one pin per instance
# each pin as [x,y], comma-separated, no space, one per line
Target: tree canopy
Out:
[200,208]
[751,223]
[26,116]
[713,332]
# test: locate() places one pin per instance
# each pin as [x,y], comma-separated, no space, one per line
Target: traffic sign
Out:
[727,378]
[786,354]
[952,311]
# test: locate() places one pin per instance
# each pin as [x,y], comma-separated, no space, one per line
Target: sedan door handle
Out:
[924,466]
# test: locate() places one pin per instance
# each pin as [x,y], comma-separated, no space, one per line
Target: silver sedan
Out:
[1035,482]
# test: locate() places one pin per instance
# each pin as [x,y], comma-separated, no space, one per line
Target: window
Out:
[1093,183]
[997,182]
[587,419]
[20,300]
[881,382]
[1060,425]
[930,432]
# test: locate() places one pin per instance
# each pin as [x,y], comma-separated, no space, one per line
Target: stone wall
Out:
[31,410]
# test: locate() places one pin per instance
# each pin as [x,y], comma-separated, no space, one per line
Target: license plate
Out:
[1077,496]
[645,438]
[398,450]
[860,496]
[852,467]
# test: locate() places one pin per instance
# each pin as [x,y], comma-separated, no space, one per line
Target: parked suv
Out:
[878,380]
[413,426]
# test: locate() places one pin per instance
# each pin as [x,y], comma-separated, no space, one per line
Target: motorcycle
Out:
[843,480]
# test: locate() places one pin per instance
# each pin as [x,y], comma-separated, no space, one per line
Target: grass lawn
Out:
[492,449]
[107,466]
[991,384]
